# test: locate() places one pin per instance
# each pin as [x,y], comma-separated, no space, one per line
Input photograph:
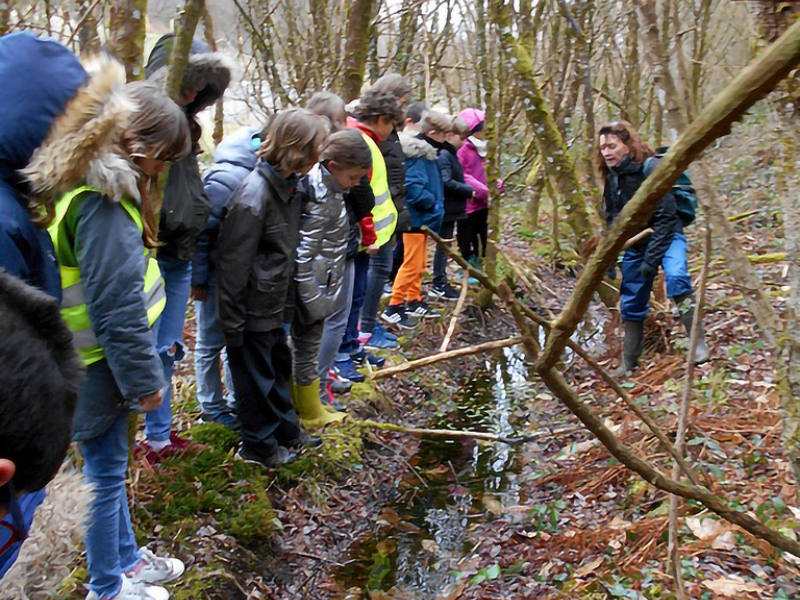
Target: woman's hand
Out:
[152,401]
[372,249]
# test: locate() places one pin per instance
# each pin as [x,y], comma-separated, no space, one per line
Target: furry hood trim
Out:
[55,540]
[81,144]
[413,147]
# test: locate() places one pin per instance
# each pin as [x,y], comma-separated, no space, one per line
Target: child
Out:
[472,232]
[255,267]
[111,299]
[456,195]
[620,156]
[234,159]
[372,334]
[320,273]
[425,197]
[376,116]
[182,219]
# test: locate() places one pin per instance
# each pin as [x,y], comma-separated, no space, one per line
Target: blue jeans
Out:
[110,543]
[209,348]
[349,344]
[336,324]
[635,289]
[177,276]
[380,266]
[440,258]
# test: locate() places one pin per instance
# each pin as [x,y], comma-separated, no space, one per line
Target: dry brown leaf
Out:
[492,504]
[731,587]
[452,592]
[588,568]
[705,529]
[430,546]
[727,541]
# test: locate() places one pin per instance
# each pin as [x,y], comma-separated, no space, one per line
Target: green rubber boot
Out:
[632,348]
[308,406]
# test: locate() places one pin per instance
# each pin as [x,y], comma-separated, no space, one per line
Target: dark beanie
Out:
[478,128]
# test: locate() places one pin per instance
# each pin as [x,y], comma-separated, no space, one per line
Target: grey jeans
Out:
[305,342]
[336,323]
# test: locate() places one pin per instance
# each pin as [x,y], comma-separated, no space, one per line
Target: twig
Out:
[461,434]
[435,358]
[81,21]
[637,238]
[694,339]
[459,307]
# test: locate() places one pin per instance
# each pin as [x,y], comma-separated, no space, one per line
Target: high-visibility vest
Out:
[73,305]
[384,215]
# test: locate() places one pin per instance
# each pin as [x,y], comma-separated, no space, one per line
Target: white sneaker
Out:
[154,569]
[135,591]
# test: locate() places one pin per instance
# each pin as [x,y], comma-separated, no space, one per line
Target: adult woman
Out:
[620,158]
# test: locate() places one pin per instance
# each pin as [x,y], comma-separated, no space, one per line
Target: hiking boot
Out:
[445,292]
[134,591]
[420,308]
[631,349]
[686,310]
[282,456]
[339,386]
[362,358]
[396,314]
[346,371]
[305,439]
[153,569]
[387,290]
[379,340]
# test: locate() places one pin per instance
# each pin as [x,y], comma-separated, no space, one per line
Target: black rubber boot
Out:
[686,309]
[632,347]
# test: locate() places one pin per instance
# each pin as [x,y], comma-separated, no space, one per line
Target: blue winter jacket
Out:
[424,186]
[234,159]
[39,78]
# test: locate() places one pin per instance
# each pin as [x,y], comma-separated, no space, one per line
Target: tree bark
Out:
[547,137]
[182,45]
[219,107]
[126,33]
[357,34]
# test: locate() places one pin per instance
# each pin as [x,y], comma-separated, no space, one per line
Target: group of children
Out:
[285,244]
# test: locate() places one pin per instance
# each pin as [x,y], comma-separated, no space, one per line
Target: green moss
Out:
[209,483]
[341,451]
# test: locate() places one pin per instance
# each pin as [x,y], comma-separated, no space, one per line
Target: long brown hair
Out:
[295,138]
[157,129]
[637,148]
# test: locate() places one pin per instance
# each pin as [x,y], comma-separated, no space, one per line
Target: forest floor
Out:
[382,515]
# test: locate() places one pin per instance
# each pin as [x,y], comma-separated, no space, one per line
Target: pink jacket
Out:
[474,164]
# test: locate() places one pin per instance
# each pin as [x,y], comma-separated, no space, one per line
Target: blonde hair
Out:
[435,121]
[348,149]
[330,106]
[157,129]
[295,139]
[460,126]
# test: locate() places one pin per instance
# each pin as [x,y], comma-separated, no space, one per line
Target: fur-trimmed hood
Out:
[414,147]
[54,542]
[71,114]
[208,73]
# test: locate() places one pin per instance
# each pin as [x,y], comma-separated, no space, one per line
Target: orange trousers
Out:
[408,282]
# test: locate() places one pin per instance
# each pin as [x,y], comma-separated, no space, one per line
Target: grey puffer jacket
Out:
[256,253]
[324,231]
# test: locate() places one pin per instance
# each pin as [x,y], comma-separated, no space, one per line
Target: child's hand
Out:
[151,402]
[372,249]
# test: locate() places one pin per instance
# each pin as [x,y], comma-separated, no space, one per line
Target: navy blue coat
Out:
[39,78]
[424,187]
[456,192]
[234,159]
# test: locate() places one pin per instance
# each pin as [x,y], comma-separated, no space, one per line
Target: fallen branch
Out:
[459,307]
[637,238]
[435,358]
[460,434]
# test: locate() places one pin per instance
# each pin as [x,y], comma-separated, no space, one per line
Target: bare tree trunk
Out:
[357,33]
[88,39]
[219,108]
[631,98]
[547,137]
[181,47]
[126,32]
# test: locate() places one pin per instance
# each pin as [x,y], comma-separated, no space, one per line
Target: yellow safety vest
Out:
[73,304]
[384,215]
